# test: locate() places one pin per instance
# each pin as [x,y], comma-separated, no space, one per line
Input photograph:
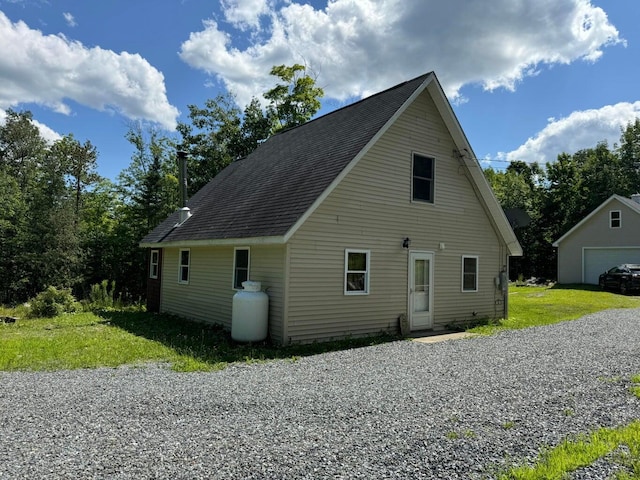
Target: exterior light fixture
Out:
[406,242]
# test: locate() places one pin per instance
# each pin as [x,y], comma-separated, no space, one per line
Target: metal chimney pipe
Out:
[182,176]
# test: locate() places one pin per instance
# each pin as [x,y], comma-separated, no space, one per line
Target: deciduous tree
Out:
[295,101]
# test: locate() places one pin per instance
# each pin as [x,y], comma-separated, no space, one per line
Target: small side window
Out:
[240,267]
[469,273]
[356,272]
[153,264]
[423,177]
[615,219]
[183,266]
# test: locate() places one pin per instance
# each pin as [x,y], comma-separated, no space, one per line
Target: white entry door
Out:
[420,290]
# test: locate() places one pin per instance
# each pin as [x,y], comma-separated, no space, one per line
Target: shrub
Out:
[53,302]
[103,297]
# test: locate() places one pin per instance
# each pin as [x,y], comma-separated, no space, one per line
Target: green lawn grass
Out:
[533,306]
[109,339]
[88,340]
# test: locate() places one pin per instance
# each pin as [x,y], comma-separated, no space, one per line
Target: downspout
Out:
[504,285]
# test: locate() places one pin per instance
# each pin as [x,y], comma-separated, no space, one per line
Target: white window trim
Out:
[180,266]
[433,179]
[464,257]
[619,219]
[156,264]
[367,273]
[233,273]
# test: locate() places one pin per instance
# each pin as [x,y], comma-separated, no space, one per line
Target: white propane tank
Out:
[250,313]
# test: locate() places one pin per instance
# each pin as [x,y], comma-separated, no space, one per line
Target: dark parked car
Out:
[624,277]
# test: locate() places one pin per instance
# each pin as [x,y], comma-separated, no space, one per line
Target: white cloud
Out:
[244,14]
[47,69]
[358,47]
[583,129]
[46,132]
[71,21]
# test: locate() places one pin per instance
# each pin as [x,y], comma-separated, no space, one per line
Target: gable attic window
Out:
[183,266]
[356,272]
[469,273]
[240,267]
[423,178]
[615,219]
[153,264]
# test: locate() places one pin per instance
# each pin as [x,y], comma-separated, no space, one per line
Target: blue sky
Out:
[527,79]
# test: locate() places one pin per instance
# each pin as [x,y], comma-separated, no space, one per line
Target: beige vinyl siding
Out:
[209,295]
[372,209]
[595,232]
[267,267]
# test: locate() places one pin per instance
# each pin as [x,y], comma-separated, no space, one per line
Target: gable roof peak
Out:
[268,194]
[346,106]
[632,204]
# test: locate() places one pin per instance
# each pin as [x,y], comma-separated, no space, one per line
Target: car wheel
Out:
[623,288]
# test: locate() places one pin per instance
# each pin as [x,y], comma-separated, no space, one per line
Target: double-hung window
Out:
[154,262]
[240,267]
[469,273]
[184,265]
[423,176]
[356,272]
[615,219]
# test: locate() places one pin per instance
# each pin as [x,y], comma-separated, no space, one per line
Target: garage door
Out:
[598,260]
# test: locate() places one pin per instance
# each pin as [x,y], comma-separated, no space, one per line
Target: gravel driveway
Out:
[457,409]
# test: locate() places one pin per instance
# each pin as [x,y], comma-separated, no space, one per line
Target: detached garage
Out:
[608,236]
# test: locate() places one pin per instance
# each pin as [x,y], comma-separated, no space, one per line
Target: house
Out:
[608,236]
[374,212]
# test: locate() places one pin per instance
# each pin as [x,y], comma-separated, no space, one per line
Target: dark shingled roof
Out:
[267,192]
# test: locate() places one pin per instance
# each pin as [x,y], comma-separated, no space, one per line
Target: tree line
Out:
[63,225]
[561,194]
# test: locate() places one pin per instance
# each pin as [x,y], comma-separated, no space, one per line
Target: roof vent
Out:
[636,197]
[185,213]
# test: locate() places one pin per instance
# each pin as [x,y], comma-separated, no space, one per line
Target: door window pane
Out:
[421,285]
[419,275]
